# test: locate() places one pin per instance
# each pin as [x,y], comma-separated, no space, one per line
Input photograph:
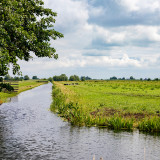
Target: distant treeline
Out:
[63,77]
[132,78]
[9,78]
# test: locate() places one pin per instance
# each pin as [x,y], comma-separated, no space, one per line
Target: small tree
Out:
[62,77]
[113,78]
[21,78]
[34,77]
[55,78]
[88,78]
[16,78]
[7,77]
[26,77]
[131,78]
[50,79]
[74,78]
[83,78]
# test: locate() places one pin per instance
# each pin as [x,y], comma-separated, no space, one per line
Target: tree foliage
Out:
[131,78]
[7,77]
[25,27]
[62,77]
[34,77]
[83,78]
[50,79]
[6,86]
[88,78]
[113,78]
[74,78]
[26,77]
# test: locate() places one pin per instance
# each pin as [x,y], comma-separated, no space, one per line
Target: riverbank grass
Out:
[23,86]
[114,104]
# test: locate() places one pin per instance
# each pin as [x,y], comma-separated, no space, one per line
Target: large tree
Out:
[25,27]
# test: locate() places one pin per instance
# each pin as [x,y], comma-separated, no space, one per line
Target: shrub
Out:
[6,86]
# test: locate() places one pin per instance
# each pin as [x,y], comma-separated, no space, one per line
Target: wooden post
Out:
[101,158]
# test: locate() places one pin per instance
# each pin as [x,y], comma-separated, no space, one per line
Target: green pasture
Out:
[132,102]
[23,86]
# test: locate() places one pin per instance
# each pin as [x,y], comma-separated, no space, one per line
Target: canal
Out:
[29,131]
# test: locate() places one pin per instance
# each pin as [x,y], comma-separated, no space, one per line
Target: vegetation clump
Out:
[6,86]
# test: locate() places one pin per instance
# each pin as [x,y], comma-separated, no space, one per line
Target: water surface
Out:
[29,131]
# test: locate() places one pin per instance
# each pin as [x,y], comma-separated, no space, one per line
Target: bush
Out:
[62,77]
[1,79]
[50,79]
[6,86]
[26,77]
[74,78]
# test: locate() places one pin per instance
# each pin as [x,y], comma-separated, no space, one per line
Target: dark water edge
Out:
[29,131]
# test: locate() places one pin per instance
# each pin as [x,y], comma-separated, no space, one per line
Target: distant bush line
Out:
[63,77]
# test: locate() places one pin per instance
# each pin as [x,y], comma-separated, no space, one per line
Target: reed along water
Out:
[29,131]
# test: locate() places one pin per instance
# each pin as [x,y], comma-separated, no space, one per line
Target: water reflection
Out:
[28,130]
[13,99]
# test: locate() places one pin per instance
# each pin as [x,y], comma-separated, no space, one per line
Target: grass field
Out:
[23,86]
[113,104]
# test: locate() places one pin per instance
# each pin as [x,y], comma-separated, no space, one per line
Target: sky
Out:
[103,38]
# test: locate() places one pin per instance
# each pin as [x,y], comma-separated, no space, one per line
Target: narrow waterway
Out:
[29,131]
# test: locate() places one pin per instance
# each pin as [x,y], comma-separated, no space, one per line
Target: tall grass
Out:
[118,123]
[76,115]
[150,124]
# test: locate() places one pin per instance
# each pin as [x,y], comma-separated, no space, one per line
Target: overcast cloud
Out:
[103,38]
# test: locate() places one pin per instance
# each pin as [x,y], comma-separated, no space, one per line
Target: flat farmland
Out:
[22,86]
[114,104]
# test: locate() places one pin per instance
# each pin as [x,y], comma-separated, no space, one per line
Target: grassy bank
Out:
[114,104]
[23,86]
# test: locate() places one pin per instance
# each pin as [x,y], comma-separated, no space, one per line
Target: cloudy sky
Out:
[103,38]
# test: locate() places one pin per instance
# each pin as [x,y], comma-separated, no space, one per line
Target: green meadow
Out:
[117,104]
[23,86]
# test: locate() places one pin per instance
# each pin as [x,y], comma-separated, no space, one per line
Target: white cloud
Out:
[79,34]
[71,14]
[95,11]
[141,5]
[84,61]
[128,33]
[73,17]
